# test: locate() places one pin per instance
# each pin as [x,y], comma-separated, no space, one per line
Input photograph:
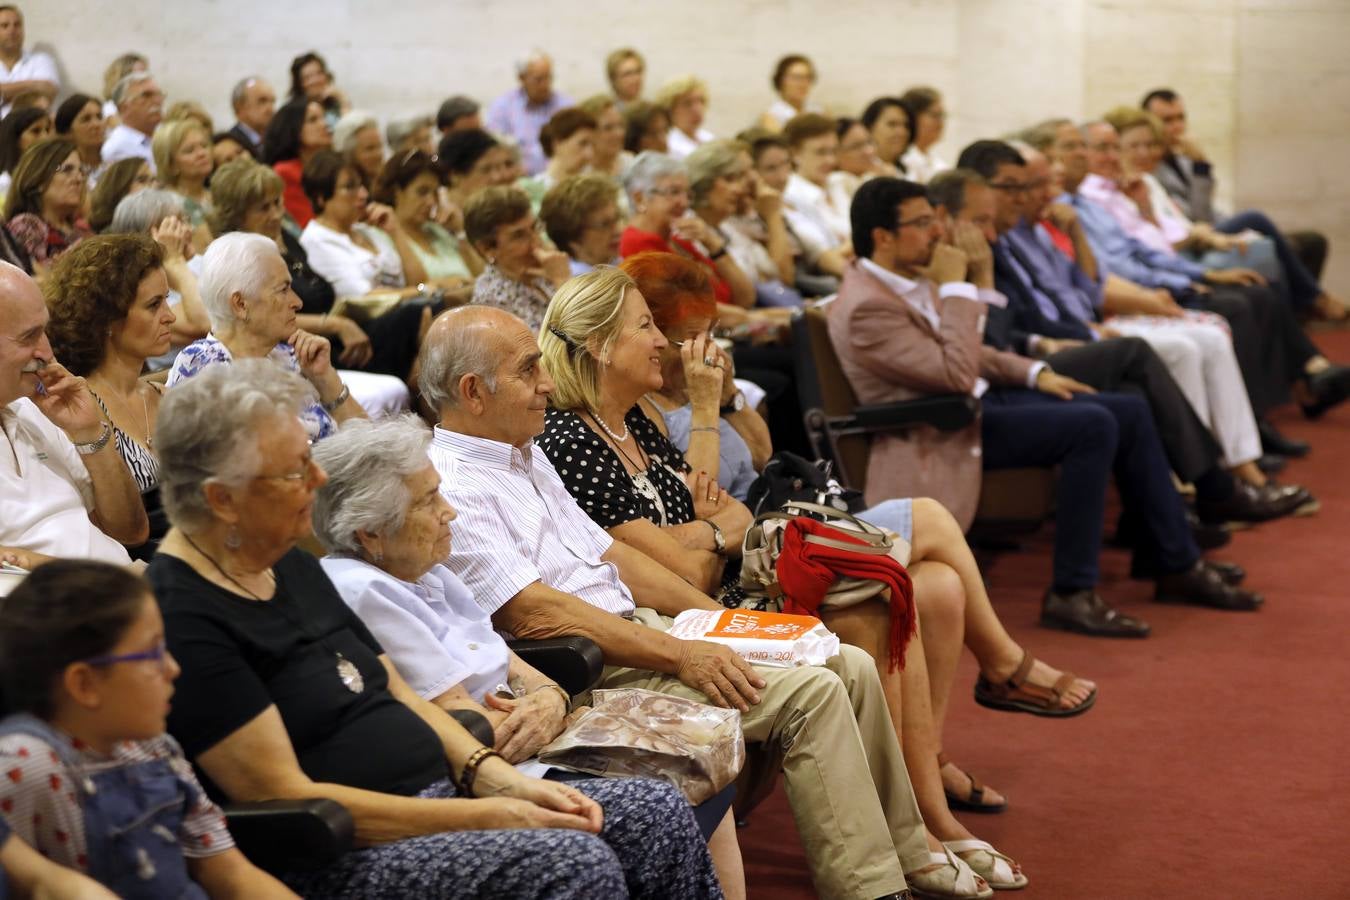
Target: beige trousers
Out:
[829,730]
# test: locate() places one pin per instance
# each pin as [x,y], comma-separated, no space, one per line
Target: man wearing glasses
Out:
[140,104]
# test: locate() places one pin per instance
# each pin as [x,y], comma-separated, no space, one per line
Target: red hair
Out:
[675,288]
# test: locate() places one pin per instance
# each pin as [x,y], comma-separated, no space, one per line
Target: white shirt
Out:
[817,224]
[125,142]
[45,503]
[434,633]
[352,270]
[518,524]
[921,166]
[679,145]
[783,112]
[32,66]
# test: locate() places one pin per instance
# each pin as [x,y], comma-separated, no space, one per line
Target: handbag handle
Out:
[865,527]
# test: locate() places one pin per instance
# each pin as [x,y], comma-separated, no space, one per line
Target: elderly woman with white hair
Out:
[357,138]
[284,693]
[246,288]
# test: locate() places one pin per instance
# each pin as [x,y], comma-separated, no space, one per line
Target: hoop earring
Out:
[232,539]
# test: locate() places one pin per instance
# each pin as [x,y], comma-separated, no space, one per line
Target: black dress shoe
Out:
[1249,503]
[1202,585]
[1208,536]
[1231,573]
[1278,444]
[1272,463]
[1085,612]
[1328,388]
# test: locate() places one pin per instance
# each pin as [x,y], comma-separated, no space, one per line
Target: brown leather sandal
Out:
[973,801]
[1018,695]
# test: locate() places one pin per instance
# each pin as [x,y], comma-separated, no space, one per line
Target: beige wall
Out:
[1267,81]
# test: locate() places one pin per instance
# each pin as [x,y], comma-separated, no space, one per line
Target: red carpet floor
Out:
[1212,764]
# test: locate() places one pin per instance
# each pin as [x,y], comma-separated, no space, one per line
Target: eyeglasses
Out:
[1012,187]
[73,169]
[669,192]
[923,223]
[158,653]
[305,473]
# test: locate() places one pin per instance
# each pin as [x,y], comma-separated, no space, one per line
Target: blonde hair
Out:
[580,327]
[1123,118]
[168,138]
[673,90]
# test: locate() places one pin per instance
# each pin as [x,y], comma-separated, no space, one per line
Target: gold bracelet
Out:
[567,699]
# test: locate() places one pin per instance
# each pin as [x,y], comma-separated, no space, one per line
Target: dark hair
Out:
[877,205]
[281,140]
[70,108]
[221,137]
[454,109]
[806,126]
[948,189]
[112,186]
[401,171]
[919,99]
[562,125]
[986,156]
[637,118]
[460,151]
[304,59]
[787,62]
[1166,95]
[34,172]
[873,110]
[92,286]
[843,124]
[67,610]
[11,127]
[320,175]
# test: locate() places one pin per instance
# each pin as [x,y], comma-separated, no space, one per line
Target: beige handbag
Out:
[764,542]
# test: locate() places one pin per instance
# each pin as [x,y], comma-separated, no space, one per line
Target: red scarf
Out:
[806,571]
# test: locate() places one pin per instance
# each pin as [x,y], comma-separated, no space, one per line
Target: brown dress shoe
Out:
[1085,612]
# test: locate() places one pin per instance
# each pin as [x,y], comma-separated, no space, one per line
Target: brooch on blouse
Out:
[350,675]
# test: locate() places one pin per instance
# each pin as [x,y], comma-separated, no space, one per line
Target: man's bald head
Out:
[467,340]
[23,336]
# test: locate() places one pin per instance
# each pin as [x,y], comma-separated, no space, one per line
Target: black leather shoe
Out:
[1208,536]
[1202,585]
[1231,573]
[1328,388]
[1275,443]
[1272,463]
[1249,503]
[1085,612]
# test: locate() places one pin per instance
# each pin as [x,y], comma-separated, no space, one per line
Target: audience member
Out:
[87,681]
[522,113]
[190,111]
[411,133]
[429,235]
[473,160]
[793,78]
[929,118]
[568,142]
[685,100]
[357,138]
[45,205]
[226,148]
[80,118]
[296,133]
[542,567]
[312,81]
[183,162]
[342,242]
[22,71]
[66,495]
[646,127]
[891,125]
[609,156]
[246,288]
[458,113]
[822,229]
[140,108]
[18,131]
[521,274]
[625,69]
[658,191]
[856,161]
[581,217]
[254,103]
[119,180]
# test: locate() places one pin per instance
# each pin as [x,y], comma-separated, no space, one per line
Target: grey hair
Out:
[709,163]
[240,91]
[534,56]
[232,264]
[462,351]
[139,212]
[399,129]
[1042,135]
[1083,129]
[208,429]
[349,126]
[119,91]
[649,168]
[367,466]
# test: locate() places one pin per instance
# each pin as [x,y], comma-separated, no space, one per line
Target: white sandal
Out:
[956,880]
[1001,872]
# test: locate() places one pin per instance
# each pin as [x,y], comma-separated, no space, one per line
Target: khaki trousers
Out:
[830,731]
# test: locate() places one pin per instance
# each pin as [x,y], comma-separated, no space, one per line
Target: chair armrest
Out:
[476,724]
[945,412]
[574,662]
[291,835]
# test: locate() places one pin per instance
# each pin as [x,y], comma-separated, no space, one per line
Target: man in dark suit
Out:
[254,104]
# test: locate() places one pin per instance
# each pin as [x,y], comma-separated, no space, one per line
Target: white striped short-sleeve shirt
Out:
[517,524]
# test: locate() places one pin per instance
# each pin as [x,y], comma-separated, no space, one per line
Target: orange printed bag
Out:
[762,638]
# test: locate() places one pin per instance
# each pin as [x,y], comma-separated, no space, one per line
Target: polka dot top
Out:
[595,476]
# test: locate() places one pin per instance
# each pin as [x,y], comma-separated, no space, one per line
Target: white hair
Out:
[367,465]
[232,265]
[119,91]
[208,430]
[451,353]
[399,130]
[139,212]
[649,168]
[534,56]
[349,126]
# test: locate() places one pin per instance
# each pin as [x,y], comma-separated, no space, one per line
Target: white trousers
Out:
[379,395]
[1198,350]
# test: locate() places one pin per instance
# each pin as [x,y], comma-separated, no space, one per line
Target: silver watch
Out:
[735,405]
[96,445]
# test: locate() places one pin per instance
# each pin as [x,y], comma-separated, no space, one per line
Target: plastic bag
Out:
[762,638]
[632,733]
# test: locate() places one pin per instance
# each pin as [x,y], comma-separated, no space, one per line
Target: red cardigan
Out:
[293,196]
[634,241]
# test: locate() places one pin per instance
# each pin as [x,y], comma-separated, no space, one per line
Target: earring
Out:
[232,539]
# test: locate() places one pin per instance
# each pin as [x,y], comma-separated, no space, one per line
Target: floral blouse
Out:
[527,301]
[44,242]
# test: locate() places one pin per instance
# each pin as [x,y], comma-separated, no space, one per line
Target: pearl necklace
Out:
[601,422]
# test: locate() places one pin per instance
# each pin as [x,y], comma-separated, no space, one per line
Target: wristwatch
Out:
[719,539]
[735,405]
[96,445]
